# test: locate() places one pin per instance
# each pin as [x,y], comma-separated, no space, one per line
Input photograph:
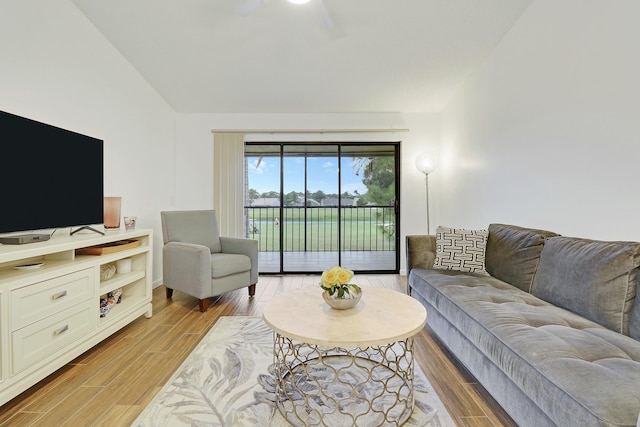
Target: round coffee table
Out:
[344,367]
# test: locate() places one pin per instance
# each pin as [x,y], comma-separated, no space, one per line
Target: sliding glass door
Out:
[313,205]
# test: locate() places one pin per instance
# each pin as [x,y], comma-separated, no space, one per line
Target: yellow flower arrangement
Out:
[336,282]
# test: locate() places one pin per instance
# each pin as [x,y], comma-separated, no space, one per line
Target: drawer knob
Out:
[60,330]
[59,295]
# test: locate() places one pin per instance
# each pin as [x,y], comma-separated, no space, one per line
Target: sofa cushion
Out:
[595,279]
[577,372]
[461,250]
[513,253]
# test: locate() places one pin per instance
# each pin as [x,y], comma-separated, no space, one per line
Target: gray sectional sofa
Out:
[552,331]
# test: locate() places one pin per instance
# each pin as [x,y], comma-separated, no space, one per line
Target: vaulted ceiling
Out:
[326,56]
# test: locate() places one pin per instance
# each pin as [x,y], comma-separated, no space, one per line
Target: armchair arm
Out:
[187,267]
[248,247]
[421,251]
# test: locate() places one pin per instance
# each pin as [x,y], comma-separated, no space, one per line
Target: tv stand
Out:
[50,295]
[86,227]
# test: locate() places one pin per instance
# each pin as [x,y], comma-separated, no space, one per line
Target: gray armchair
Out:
[196,260]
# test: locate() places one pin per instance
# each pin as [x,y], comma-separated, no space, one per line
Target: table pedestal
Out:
[333,386]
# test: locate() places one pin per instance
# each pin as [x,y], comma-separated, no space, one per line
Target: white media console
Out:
[50,313]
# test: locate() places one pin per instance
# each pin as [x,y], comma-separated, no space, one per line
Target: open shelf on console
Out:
[133,293]
[120,281]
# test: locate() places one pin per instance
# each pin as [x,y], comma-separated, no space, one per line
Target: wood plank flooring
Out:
[112,383]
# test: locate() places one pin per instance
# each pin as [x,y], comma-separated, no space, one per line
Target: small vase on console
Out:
[112,212]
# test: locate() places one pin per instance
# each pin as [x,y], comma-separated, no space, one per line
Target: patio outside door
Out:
[315,205]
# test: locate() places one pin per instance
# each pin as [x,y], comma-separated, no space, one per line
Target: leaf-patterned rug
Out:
[227,382]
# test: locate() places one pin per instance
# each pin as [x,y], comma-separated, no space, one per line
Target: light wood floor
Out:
[112,383]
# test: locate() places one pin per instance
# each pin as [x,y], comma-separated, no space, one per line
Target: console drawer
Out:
[41,339]
[31,303]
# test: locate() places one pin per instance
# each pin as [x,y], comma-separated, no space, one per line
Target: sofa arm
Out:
[421,251]
[187,268]
[248,247]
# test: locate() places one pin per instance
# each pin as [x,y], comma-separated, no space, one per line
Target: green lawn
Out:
[316,229]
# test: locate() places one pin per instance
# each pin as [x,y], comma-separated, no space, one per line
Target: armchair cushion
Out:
[223,264]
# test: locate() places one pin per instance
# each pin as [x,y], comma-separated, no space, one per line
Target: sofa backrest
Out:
[513,253]
[595,279]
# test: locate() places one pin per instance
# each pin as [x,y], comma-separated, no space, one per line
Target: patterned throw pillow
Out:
[460,249]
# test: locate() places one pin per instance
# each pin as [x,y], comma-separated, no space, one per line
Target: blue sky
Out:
[322,175]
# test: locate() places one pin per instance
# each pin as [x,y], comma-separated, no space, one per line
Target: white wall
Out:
[58,69]
[546,134]
[194,151]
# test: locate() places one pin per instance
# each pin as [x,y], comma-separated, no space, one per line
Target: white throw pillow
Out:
[460,249]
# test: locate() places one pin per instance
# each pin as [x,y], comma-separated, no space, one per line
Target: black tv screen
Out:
[50,177]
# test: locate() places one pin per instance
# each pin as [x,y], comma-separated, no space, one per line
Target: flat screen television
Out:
[49,177]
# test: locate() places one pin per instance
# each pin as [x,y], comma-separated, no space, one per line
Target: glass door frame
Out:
[394,205]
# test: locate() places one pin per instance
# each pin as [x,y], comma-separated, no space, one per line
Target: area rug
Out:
[227,381]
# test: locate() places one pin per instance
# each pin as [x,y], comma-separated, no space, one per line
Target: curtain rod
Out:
[321,131]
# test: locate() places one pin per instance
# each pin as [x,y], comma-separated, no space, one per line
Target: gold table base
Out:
[332,386]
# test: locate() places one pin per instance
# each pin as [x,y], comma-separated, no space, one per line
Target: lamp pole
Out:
[426,180]
[426,163]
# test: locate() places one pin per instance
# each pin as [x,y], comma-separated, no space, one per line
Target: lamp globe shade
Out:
[426,163]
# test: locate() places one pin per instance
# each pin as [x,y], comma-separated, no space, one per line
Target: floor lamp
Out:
[426,163]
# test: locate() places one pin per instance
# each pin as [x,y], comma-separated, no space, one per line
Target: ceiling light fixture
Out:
[299,1]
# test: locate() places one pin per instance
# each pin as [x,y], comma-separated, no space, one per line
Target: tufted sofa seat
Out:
[545,364]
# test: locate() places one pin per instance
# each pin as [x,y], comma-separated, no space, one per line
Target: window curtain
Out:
[228,182]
